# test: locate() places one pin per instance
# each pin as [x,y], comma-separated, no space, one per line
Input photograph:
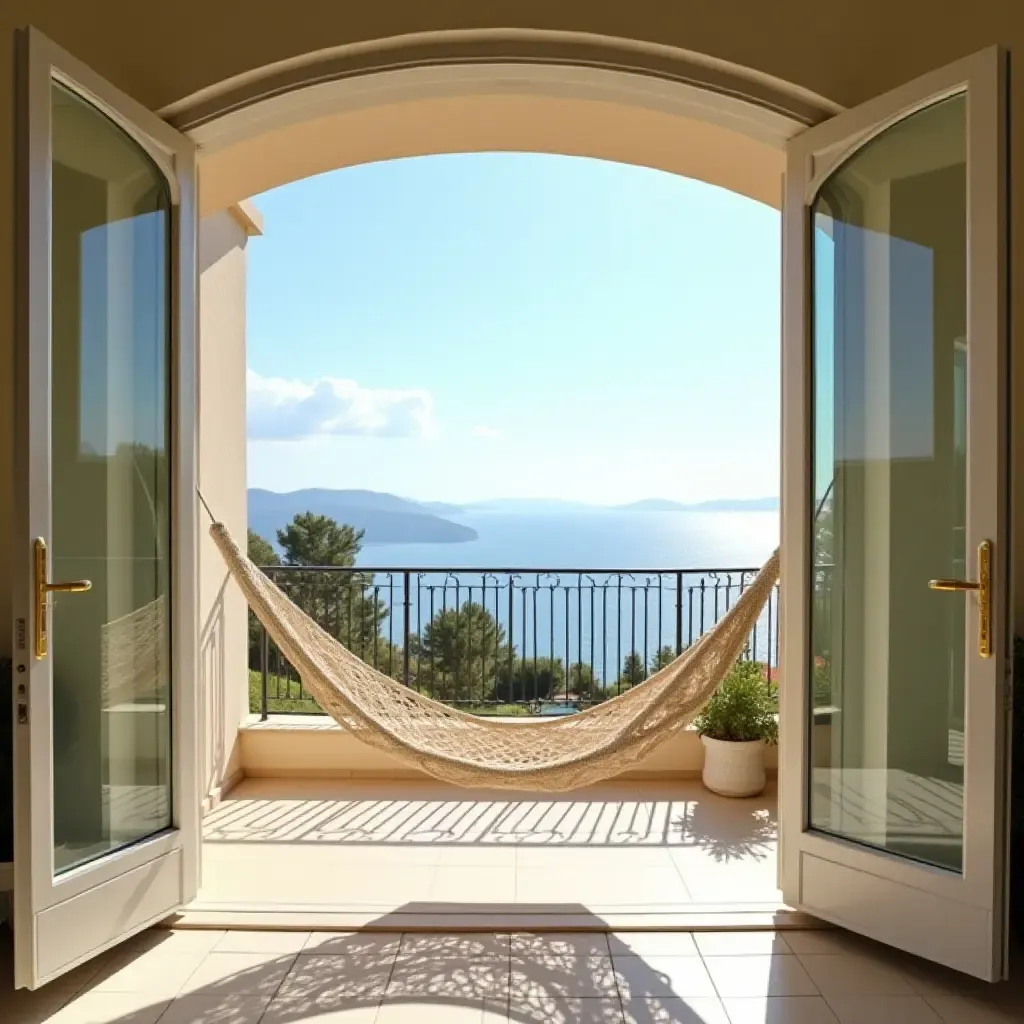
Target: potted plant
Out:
[735,727]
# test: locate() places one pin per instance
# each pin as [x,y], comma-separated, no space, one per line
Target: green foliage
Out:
[744,707]
[282,696]
[342,603]
[260,550]
[665,656]
[311,539]
[499,710]
[581,680]
[260,553]
[528,679]
[459,647]
[633,670]
[822,683]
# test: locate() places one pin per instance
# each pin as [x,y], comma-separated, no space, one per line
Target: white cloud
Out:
[286,410]
[487,433]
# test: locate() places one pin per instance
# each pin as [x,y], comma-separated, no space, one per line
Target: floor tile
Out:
[741,943]
[110,1008]
[331,980]
[24,1007]
[780,1010]
[458,945]
[477,855]
[670,1010]
[305,1011]
[551,1009]
[382,843]
[883,1010]
[262,942]
[828,940]
[532,944]
[472,884]
[241,974]
[216,1009]
[427,1011]
[377,944]
[161,975]
[588,977]
[854,974]
[964,1009]
[648,976]
[458,980]
[652,944]
[175,940]
[759,976]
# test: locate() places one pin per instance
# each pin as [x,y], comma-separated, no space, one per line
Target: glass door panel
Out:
[893,711]
[110,486]
[889,248]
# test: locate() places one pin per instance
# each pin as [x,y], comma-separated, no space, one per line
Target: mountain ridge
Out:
[387,518]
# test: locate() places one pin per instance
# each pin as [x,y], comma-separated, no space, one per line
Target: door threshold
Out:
[440,917]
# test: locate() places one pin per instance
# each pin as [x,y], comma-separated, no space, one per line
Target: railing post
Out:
[511,605]
[679,614]
[406,615]
[264,662]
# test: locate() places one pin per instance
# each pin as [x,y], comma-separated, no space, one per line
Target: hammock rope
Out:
[477,752]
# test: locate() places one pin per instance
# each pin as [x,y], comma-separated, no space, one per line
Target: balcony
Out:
[323,828]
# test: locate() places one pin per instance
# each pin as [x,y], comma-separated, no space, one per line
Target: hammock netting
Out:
[468,750]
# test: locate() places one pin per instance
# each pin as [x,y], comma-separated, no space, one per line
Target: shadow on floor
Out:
[559,979]
[411,813]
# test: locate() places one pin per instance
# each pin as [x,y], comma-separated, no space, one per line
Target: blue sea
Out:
[587,587]
[595,539]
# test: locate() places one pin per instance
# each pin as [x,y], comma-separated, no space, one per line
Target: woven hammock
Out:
[468,750]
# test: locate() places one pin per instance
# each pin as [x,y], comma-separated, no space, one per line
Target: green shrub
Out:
[744,707]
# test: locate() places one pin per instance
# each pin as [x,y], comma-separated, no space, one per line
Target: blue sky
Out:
[514,325]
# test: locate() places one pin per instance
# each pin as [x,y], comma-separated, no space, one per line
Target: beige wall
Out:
[313,747]
[223,670]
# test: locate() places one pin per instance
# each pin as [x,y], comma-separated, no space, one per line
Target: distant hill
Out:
[528,505]
[536,506]
[442,508]
[387,519]
[719,505]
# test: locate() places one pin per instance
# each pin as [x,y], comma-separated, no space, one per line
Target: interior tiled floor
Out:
[796,977]
[381,845]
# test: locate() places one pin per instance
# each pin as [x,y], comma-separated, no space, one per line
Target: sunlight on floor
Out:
[383,844]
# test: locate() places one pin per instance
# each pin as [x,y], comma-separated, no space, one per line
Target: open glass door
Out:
[894,720]
[106,811]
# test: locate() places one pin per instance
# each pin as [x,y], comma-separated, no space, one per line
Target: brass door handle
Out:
[983,588]
[44,588]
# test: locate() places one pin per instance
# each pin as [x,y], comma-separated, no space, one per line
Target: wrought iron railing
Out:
[506,641]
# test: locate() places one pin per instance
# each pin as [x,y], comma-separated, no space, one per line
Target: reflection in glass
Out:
[110,486]
[889,505]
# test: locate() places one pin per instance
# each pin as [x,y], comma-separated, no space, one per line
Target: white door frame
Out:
[956,919]
[62,921]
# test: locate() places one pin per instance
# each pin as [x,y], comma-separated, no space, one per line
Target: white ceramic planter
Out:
[734,769]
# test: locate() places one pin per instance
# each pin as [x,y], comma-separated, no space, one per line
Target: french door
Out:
[894,567]
[106,809]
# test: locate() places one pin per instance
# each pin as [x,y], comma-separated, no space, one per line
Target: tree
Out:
[459,653]
[528,679]
[664,656]
[581,680]
[261,553]
[633,670]
[339,601]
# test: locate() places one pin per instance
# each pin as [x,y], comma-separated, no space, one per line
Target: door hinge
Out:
[22,699]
